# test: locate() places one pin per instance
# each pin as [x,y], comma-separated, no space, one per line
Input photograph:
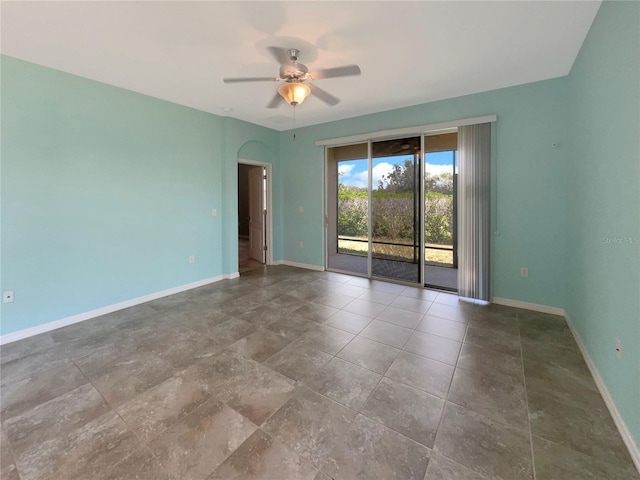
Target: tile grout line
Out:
[382,376]
[357,412]
[499,423]
[354,337]
[402,383]
[13,455]
[526,399]
[446,399]
[113,409]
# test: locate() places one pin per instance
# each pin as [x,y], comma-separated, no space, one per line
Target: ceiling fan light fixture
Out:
[294,93]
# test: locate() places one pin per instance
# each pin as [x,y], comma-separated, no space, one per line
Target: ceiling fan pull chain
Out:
[294,123]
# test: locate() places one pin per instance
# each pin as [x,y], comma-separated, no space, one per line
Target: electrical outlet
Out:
[300,210]
[618,348]
[214,212]
[300,244]
[7,297]
[524,272]
[192,259]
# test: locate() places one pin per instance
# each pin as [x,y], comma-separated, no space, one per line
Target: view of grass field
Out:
[358,246]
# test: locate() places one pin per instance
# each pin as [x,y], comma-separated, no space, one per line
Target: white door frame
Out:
[268,207]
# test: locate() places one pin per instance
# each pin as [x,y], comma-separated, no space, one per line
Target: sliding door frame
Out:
[369,209]
[331,210]
[422,258]
[422,131]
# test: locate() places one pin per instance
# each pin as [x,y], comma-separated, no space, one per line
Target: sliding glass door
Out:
[348,209]
[373,209]
[413,208]
[395,209]
[440,205]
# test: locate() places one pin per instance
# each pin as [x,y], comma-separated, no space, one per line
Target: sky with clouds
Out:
[354,172]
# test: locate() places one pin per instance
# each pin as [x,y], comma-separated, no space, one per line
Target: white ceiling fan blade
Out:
[250,79]
[323,95]
[280,55]
[275,101]
[346,71]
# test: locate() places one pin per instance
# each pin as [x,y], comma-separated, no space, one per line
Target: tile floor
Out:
[293,374]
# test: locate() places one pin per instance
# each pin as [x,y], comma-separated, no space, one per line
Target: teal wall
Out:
[603,295]
[530,194]
[106,193]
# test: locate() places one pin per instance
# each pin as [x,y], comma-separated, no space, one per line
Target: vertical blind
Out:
[474,147]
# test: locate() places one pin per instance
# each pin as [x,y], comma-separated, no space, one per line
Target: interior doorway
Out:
[254,216]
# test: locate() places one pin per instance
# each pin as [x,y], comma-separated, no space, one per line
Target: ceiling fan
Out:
[296,76]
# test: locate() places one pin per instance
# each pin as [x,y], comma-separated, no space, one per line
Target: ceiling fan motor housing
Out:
[294,71]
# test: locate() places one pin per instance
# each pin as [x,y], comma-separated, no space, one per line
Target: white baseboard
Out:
[628,439]
[529,306]
[81,317]
[308,266]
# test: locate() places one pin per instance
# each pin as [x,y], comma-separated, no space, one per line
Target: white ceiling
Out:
[409,52]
